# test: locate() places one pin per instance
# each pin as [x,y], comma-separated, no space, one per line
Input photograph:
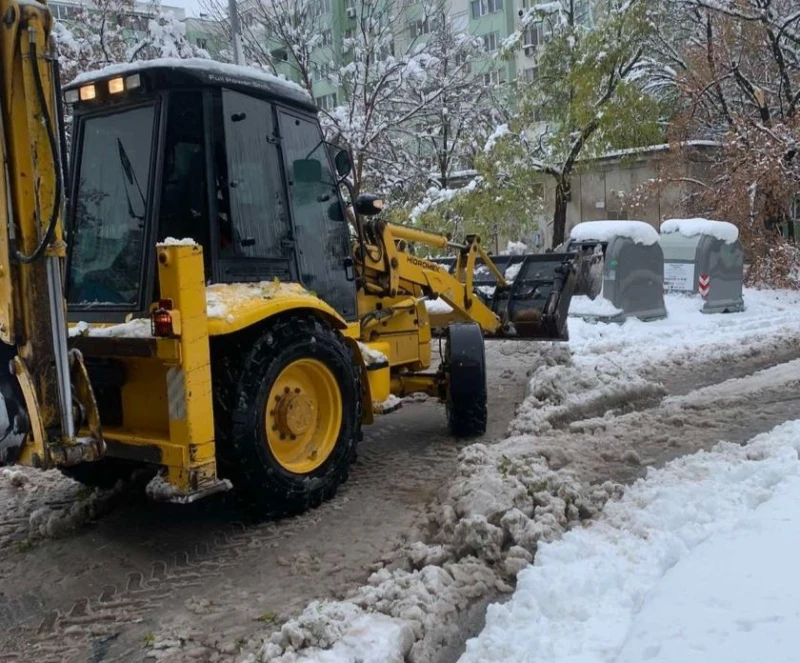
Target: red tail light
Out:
[161,322]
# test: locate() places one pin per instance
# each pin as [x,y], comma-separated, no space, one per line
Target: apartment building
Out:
[492,21]
[67,11]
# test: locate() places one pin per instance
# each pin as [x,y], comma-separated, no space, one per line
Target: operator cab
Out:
[230,157]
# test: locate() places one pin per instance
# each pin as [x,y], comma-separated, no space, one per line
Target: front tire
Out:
[465,360]
[289,415]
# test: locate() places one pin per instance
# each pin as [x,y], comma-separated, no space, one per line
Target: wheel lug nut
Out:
[283,437]
[286,390]
[275,427]
[297,390]
[293,437]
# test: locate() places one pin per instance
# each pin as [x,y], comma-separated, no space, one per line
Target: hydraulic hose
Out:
[51,138]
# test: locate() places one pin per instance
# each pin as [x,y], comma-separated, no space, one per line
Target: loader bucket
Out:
[535,303]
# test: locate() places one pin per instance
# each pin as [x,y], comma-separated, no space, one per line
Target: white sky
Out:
[192,7]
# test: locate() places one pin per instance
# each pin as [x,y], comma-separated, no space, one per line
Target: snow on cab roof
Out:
[722,230]
[604,231]
[198,65]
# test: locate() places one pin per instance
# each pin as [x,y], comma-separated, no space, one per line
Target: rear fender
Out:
[232,307]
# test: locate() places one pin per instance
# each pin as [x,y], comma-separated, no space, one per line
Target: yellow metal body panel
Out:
[236,306]
[188,384]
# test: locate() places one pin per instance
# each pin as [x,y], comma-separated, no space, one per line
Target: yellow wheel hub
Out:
[304,416]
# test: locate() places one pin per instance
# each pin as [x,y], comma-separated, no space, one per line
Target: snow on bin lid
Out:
[723,230]
[604,231]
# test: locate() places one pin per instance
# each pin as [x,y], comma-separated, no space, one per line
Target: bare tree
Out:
[734,69]
[104,32]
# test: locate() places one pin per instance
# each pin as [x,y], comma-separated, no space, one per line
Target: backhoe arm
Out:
[38,395]
[389,270]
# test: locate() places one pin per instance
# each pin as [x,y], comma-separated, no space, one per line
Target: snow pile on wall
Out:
[603,594]
[722,230]
[604,231]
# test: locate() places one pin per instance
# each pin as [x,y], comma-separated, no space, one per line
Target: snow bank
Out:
[567,388]
[722,230]
[386,620]
[669,572]
[599,307]
[686,331]
[605,231]
[510,501]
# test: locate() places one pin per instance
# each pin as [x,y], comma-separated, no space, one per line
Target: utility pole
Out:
[236,33]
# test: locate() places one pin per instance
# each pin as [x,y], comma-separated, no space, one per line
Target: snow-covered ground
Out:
[591,403]
[686,333]
[695,563]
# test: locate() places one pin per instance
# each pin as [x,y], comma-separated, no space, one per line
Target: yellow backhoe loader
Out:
[251,354]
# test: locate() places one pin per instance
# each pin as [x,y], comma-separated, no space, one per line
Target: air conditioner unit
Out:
[351,12]
[530,51]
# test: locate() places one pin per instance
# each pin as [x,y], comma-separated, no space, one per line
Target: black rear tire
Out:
[244,374]
[465,363]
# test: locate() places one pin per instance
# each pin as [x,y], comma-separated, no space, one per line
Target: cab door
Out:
[321,234]
[254,235]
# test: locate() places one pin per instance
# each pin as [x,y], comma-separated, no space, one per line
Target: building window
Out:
[796,208]
[493,78]
[535,36]
[419,28]
[327,37]
[326,102]
[321,71]
[490,41]
[320,7]
[529,74]
[386,51]
[484,7]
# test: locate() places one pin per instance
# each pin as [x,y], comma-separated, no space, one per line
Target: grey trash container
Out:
[704,257]
[633,272]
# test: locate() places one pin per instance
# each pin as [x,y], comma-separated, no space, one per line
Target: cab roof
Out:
[166,73]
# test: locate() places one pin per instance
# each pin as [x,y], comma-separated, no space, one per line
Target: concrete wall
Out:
[600,187]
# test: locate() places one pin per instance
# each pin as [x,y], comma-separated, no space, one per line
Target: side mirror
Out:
[307,171]
[368,205]
[343,163]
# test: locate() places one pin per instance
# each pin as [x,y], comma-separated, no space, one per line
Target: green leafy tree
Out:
[586,98]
